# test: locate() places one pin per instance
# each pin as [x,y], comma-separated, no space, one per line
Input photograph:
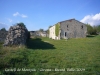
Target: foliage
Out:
[82,53]
[21,24]
[50,26]
[93,30]
[98,29]
[47,31]
[3,29]
[89,29]
[41,30]
[28,36]
[57,29]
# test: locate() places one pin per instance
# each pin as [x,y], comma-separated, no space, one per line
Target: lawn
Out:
[44,56]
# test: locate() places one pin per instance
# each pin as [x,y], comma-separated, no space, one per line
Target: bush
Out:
[28,37]
[21,24]
[92,30]
[98,29]
[3,29]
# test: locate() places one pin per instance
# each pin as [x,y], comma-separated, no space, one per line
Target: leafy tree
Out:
[98,29]
[50,26]
[48,29]
[41,30]
[3,29]
[21,24]
[28,36]
[94,32]
[89,29]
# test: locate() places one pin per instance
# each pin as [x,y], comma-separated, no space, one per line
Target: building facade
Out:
[38,33]
[69,29]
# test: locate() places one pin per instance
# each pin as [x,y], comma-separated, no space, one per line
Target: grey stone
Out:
[17,35]
[72,29]
[3,35]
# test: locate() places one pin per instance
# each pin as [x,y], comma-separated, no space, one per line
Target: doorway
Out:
[65,34]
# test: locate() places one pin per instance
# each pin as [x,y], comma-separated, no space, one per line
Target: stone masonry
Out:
[69,29]
[3,35]
[17,35]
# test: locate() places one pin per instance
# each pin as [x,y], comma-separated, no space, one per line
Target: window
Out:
[82,27]
[67,26]
[60,33]
[65,33]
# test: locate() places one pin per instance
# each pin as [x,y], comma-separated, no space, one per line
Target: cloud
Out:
[24,16]
[21,15]
[92,19]
[10,20]
[16,14]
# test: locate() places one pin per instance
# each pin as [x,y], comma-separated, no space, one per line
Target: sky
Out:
[40,14]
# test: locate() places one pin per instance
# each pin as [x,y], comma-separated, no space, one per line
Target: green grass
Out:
[83,53]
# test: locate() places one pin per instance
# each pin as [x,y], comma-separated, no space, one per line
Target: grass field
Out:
[52,57]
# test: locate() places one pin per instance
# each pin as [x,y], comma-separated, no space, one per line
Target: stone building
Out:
[68,29]
[38,33]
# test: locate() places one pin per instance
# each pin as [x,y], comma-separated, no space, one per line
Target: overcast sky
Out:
[36,14]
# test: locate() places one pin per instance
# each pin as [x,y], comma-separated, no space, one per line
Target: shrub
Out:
[21,24]
[3,29]
[28,35]
[57,29]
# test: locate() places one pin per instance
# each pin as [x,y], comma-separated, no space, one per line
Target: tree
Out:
[50,26]
[3,29]
[47,31]
[98,29]
[41,30]
[28,36]
[21,24]
[89,29]
[94,32]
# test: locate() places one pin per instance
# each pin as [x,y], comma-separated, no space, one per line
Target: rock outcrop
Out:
[17,35]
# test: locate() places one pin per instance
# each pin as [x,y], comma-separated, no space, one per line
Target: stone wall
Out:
[17,35]
[72,29]
[3,35]
[69,29]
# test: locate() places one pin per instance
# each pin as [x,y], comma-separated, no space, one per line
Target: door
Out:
[66,35]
